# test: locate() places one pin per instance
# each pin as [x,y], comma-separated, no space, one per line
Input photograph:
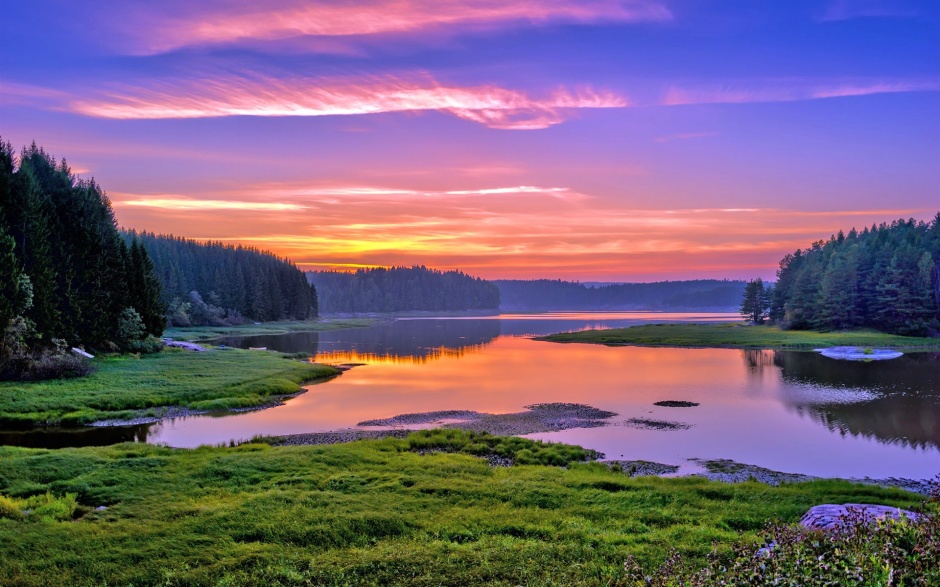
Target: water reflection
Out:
[894,402]
[784,410]
[64,437]
[414,341]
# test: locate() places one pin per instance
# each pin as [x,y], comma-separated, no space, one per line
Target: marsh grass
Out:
[378,512]
[731,335]
[207,333]
[124,386]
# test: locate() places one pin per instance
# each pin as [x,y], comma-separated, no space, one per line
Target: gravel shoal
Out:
[536,418]
[641,468]
[647,424]
[334,437]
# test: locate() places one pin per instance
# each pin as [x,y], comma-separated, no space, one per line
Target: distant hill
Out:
[402,289]
[217,284]
[546,294]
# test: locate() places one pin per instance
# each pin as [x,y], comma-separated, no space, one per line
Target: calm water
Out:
[784,410]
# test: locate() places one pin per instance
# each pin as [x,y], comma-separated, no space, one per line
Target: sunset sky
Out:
[598,140]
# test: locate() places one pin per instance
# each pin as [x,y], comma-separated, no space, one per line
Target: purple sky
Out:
[592,139]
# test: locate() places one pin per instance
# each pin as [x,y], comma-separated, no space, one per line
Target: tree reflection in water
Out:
[894,402]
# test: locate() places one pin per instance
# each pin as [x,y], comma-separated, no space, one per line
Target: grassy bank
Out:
[192,333]
[730,335]
[123,386]
[367,513]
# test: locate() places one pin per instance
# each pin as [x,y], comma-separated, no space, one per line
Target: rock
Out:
[189,346]
[82,353]
[832,517]
[851,353]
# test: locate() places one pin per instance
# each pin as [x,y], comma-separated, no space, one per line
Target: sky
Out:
[592,140]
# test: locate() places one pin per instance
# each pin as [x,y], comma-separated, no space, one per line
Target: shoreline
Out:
[739,336]
[536,418]
[720,470]
[210,333]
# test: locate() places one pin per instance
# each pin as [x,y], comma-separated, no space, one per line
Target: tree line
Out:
[217,284]
[885,277]
[399,289]
[549,294]
[68,277]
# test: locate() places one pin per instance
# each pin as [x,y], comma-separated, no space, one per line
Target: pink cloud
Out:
[264,96]
[790,91]
[229,22]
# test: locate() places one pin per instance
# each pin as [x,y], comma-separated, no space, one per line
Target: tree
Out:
[886,276]
[755,303]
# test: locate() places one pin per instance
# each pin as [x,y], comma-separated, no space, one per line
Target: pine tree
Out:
[755,303]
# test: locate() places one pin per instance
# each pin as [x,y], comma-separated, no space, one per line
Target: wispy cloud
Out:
[521,231]
[235,21]
[685,136]
[849,9]
[336,193]
[184,203]
[789,90]
[265,96]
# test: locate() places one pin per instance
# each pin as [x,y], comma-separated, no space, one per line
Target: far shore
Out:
[741,336]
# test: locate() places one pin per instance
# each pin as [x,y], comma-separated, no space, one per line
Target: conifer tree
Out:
[755,303]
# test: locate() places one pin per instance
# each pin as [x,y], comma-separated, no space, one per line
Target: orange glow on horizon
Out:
[494,232]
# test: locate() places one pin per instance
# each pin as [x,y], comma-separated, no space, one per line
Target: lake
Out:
[789,411]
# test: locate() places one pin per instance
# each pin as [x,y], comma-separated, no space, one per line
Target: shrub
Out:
[880,553]
[19,363]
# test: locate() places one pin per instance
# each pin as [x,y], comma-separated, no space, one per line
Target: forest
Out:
[398,289]
[547,294]
[70,278]
[217,285]
[885,277]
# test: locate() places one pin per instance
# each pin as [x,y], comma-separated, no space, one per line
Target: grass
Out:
[123,386]
[730,335]
[371,513]
[193,333]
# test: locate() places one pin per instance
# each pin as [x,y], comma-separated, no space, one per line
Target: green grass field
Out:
[192,333]
[735,335]
[366,513]
[124,385]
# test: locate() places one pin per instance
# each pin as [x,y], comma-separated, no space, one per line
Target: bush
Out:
[863,553]
[19,363]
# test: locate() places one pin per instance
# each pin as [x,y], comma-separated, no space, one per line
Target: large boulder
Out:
[833,517]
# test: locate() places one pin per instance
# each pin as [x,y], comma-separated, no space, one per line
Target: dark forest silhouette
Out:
[886,277]
[217,284]
[399,289]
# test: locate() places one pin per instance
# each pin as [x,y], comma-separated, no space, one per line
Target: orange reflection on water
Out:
[431,354]
[751,402]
